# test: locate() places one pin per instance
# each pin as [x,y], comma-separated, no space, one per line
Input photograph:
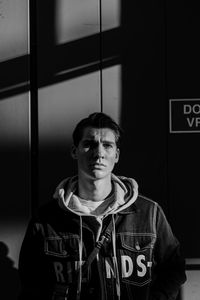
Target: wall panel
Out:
[111,75]
[13,28]
[14,140]
[71,97]
[182,67]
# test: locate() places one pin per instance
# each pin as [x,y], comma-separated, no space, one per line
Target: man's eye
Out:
[107,146]
[88,145]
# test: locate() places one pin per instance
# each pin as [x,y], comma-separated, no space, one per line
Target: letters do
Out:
[191,109]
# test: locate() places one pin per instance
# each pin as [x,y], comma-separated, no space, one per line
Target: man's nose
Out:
[99,151]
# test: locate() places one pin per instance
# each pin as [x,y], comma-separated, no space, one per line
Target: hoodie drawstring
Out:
[80,248]
[116,269]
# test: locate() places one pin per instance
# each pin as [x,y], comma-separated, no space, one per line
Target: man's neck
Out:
[95,190]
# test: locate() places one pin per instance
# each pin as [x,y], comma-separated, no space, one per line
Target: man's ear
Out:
[73,152]
[117,155]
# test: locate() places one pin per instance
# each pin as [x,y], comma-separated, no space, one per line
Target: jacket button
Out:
[137,246]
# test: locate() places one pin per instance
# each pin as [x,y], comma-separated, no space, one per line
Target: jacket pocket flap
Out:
[137,242]
[61,247]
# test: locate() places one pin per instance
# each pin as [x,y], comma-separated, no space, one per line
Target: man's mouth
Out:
[98,165]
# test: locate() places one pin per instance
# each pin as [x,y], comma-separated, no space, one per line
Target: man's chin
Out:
[98,174]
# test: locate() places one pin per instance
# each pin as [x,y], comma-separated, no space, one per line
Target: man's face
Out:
[96,153]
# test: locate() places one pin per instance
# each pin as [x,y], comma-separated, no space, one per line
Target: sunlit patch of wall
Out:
[13,28]
[112,92]
[12,234]
[62,105]
[78,19]
[14,122]
[191,289]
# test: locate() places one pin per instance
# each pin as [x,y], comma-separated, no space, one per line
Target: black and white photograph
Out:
[99,144]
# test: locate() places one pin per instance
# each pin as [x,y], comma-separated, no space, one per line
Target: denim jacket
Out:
[141,260]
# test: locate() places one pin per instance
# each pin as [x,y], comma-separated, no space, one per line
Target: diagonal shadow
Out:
[14,76]
[67,61]
[81,57]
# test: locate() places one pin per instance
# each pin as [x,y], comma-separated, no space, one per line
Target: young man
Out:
[99,238]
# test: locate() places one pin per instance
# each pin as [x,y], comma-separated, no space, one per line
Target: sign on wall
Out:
[184,115]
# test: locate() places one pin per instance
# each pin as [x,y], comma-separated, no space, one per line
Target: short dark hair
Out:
[96,120]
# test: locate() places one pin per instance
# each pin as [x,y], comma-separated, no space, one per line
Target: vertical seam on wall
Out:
[100,54]
[33,107]
[29,109]
[166,96]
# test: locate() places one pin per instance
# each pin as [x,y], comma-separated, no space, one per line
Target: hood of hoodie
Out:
[125,193]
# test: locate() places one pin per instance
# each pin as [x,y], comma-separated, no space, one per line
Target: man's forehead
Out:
[96,133]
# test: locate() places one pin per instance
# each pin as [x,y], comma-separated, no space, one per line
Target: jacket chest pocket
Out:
[62,254]
[136,251]
[62,247]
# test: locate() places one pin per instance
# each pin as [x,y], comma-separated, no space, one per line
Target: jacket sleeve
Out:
[169,263]
[32,269]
